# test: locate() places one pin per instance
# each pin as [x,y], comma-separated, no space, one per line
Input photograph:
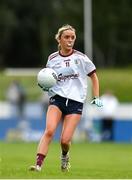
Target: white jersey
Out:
[72,73]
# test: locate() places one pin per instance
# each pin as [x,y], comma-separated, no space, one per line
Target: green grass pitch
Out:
[88,160]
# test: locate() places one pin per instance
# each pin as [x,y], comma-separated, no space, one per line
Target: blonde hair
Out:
[61,30]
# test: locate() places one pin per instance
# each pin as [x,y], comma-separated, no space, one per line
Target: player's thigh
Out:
[53,117]
[69,125]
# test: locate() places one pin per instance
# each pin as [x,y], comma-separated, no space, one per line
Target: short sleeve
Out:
[48,64]
[89,66]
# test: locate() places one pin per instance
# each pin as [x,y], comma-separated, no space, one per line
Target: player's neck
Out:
[66,52]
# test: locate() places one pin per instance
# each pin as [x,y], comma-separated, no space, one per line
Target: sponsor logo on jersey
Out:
[54,75]
[62,77]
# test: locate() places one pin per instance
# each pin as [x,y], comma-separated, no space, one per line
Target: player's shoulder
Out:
[53,55]
[76,52]
[82,56]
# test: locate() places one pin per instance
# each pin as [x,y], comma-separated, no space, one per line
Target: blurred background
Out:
[104,32]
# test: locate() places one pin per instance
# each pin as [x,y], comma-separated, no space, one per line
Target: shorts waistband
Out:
[67,99]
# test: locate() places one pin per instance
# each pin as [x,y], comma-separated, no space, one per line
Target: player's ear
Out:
[58,40]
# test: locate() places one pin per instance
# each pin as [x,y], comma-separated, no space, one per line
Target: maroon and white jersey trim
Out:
[92,72]
[78,52]
[52,56]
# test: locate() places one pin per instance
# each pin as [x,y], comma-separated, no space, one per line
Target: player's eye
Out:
[67,36]
[72,37]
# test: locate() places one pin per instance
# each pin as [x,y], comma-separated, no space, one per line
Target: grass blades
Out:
[88,161]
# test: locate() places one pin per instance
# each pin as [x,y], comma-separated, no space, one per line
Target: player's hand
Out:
[97,102]
[43,88]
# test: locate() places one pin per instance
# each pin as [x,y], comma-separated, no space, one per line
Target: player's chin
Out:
[69,48]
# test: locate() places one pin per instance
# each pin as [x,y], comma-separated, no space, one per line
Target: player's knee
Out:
[65,141]
[49,133]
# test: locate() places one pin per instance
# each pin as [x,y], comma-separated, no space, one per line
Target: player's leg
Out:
[69,125]
[53,117]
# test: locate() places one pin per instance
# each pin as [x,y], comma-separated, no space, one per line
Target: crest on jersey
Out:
[77,61]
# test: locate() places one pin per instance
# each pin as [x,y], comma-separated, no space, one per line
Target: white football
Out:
[47,78]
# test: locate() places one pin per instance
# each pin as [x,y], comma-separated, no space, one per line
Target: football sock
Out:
[64,153]
[40,159]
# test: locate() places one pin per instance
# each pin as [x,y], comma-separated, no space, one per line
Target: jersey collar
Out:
[66,55]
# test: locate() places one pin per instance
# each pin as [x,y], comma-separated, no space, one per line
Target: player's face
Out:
[67,41]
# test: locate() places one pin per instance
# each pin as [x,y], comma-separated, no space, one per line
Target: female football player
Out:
[67,96]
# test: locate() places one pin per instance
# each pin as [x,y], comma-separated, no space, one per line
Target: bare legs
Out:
[69,125]
[52,120]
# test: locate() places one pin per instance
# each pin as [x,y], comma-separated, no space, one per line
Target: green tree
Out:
[112,29]
[8,22]
[28,27]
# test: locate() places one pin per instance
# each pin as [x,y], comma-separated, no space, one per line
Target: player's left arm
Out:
[95,87]
[95,84]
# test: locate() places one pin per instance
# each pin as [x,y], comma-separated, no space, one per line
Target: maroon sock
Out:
[40,159]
